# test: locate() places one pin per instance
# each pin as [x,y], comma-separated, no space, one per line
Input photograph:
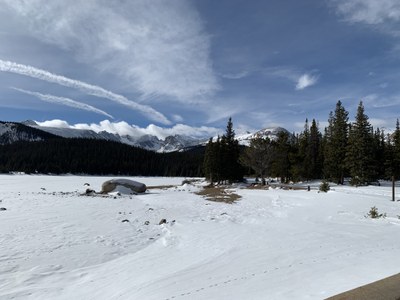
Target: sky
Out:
[189,65]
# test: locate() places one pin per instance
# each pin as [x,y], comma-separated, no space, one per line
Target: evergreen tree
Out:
[360,154]
[281,163]
[396,151]
[335,144]
[258,156]
[305,155]
[210,162]
[231,168]
[301,161]
[315,151]
[379,153]
[221,162]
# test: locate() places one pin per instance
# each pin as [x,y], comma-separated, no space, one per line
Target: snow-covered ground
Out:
[272,244]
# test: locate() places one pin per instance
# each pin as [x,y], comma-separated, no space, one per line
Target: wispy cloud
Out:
[302,81]
[378,101]
[147,111]
[305,81]
[160,48]
[123,128]
[64,101]
[238,75]
[368,11]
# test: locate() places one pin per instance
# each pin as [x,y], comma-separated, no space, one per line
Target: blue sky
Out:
[188,65]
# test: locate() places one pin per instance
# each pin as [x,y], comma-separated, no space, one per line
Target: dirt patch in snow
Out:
[219,194]
[161,187]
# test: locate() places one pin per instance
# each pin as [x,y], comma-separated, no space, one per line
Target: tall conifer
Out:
[315,151]
[360,154]
[396,151]
[336,138]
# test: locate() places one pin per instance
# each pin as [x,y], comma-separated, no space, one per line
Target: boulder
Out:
[124,186]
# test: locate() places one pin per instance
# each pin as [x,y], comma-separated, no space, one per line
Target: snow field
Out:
[274,244]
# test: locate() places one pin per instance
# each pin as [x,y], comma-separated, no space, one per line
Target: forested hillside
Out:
[88,156]
[11,132]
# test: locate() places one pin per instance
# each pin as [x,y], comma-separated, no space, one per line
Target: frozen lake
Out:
[271,244]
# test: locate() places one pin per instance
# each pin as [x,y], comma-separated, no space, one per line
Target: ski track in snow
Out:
[275,244]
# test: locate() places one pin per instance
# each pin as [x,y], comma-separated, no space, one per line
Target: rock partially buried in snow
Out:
[123,186]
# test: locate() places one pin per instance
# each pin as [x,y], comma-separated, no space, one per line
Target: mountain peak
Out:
[271,133]
[29,123]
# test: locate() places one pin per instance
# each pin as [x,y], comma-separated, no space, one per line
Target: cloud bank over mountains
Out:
[123,128]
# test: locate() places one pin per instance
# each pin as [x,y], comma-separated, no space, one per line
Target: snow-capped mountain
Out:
[151,142]
[148,142]
[245,138]
[271,133]
[30,131]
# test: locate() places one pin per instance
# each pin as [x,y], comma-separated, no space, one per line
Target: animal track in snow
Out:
[268,270]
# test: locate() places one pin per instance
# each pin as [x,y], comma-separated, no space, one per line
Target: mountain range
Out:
[11,132]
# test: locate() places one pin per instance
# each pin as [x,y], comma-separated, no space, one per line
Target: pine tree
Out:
[231,168]
[396,151]
[209,161]
[360,154]
[258,156]
[281,163]
[304,158]
[335,144]
[315,151]
[221,161]
[379,153]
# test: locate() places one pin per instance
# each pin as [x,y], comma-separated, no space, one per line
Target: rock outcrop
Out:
[123,186]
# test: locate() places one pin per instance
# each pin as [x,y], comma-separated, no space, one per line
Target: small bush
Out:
[374,214]
[324,186]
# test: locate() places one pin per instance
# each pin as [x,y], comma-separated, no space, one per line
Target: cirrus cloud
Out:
[368,11]
[12,67]
[64,101]
[157,47]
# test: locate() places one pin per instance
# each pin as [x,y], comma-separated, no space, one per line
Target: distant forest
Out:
[344,149]
[97,157]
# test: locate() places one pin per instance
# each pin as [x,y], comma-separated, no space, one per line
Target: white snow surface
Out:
[271,244]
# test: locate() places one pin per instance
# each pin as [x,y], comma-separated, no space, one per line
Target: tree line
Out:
[96,157]
[345,149]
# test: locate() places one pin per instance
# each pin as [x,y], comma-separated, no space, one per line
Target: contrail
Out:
[64,101]
[94,90]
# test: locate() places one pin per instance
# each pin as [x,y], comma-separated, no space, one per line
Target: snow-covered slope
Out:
[271,244]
